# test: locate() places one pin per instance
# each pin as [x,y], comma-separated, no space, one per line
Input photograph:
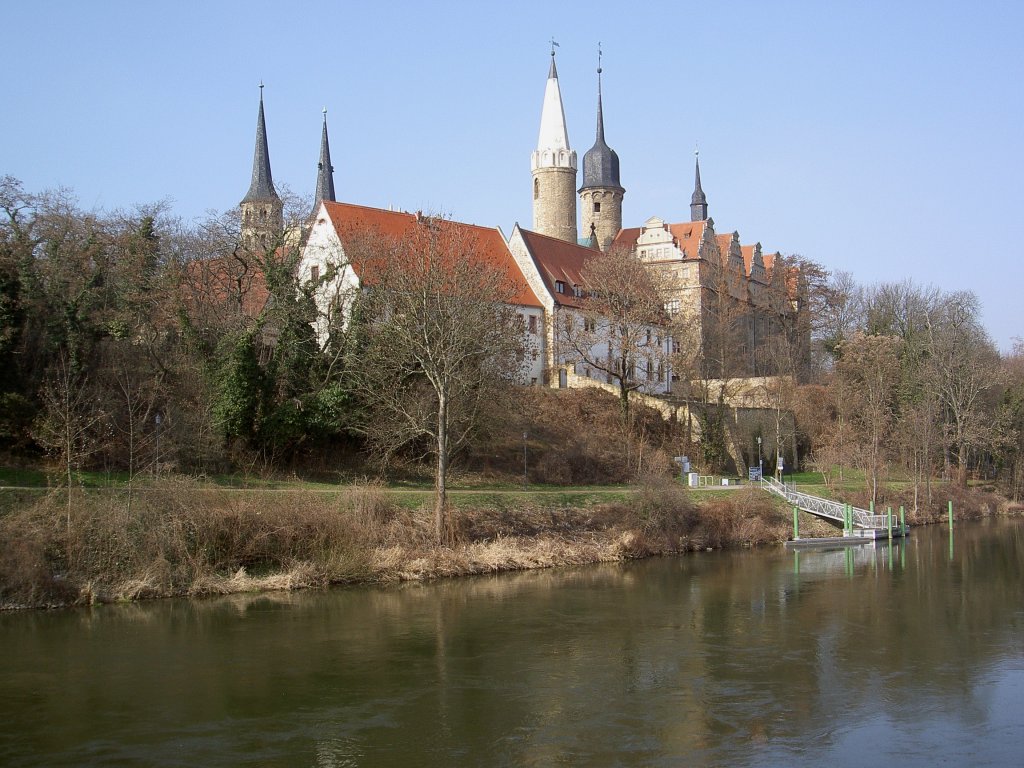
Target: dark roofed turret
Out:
[325,171]
[601,194]
[262,186]
[600,163]
[262,209]
[698,201]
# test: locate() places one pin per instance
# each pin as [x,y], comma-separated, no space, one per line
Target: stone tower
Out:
[698,201]
[554,168]
[601,193]
[262,209]
[325,171]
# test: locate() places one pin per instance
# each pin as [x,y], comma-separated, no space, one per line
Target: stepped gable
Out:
[686,236]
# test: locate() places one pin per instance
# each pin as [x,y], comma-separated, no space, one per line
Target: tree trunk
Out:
[441,496]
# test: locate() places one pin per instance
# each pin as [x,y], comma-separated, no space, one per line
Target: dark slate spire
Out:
[325,171]
[600,164]
[699,201]
[262,186]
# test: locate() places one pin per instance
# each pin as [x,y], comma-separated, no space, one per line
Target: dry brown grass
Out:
[179,539]
[968,503]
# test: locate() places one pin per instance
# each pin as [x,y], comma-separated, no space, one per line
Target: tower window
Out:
[536,188]
[597,207]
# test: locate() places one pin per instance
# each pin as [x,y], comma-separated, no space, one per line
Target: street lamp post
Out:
[159,420]
[760,462]
[524,461]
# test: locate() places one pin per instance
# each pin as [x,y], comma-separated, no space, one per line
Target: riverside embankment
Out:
[180,538]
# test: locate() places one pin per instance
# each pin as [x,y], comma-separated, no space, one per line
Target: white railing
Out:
[816,505]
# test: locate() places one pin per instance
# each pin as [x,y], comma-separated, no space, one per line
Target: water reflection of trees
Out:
[711,656]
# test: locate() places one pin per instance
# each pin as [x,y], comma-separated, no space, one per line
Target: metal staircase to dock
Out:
[865,524]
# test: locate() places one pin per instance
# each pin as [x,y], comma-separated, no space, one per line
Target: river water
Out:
[909,656]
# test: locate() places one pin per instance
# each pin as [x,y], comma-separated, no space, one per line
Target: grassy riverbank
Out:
[178,537]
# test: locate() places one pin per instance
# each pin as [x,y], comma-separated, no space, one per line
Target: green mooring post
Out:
[888,522]
[796,523]
[847,519]
[903,523]
[951,531]
[871,507]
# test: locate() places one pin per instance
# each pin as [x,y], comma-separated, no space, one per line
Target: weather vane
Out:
[599,57]
[554,45]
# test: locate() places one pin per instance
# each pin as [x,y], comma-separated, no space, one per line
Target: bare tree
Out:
[966,368]
[621,329]
[867,385]
[440,344]
[70,426]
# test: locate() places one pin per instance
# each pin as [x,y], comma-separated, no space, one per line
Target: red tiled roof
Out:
[358,220]
[687,236]
[748,258]
[559,260]
[226,281]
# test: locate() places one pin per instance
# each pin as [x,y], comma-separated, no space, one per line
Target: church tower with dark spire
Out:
[325,171]
[554,167]
[601,194]
[698,201]
[262,209]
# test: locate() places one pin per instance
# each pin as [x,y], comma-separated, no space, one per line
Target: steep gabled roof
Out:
[351,221]
[557,260]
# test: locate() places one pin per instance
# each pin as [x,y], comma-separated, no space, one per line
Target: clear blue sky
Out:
[884,139]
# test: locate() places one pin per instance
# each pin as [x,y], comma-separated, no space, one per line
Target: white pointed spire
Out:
[553,150]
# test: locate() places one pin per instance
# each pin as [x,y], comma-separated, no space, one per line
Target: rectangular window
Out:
[577,291]
[314,274]
[559,286]
[533,324]
[597,207]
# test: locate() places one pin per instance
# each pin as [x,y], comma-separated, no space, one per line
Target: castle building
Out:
[730,301]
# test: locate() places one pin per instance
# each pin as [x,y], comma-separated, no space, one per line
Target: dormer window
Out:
[577,291]
[560,286]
